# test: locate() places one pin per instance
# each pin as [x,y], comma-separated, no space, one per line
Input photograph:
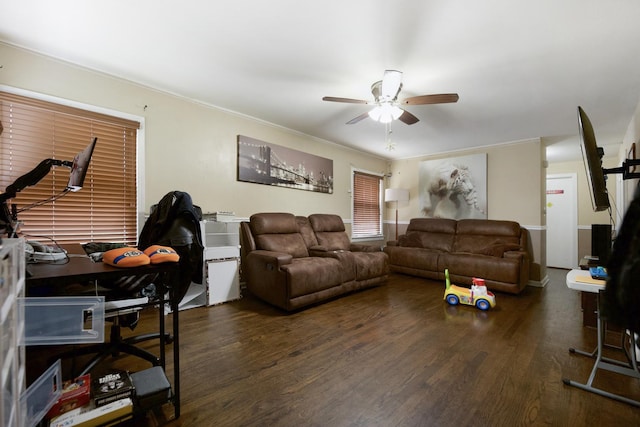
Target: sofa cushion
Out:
[433,233]
[489,227]
[410,240]
[278,232]
[307,232]
[291,244]
[498,249]
[414,258]
[433,225]
[475,235]
[330,232]
[326,222]
[370,265]
[312,274]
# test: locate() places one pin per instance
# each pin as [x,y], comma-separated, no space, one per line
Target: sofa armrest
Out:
[266,276]
[262,257]
[392,243]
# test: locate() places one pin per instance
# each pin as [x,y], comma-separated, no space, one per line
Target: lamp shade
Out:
[396,195]
[386,113]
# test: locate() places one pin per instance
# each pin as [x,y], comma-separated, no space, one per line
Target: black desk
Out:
[80,268]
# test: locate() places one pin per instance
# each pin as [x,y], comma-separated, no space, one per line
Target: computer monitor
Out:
[80,166]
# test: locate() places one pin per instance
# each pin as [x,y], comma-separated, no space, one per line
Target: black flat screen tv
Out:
[80,166]
[592,158]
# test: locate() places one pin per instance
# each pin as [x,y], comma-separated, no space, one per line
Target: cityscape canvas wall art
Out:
[270,164]
[454,188]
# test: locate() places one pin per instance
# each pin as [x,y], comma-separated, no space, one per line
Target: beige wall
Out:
[586,215]
[632,136]
[515,190]
[512,169]
[190,146]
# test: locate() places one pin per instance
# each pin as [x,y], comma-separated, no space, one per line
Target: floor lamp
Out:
[396,195]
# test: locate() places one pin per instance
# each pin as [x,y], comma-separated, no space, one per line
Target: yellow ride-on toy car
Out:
[477,296]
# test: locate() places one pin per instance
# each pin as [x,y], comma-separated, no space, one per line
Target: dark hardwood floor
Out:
[395,355]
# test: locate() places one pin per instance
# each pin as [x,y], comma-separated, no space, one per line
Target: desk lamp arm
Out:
[30,178]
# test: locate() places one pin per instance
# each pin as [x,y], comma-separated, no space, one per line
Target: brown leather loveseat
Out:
[294,261]
[496,251]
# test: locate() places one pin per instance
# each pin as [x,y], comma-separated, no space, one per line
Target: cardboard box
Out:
[75,394]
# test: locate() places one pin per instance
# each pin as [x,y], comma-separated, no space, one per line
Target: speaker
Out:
[601,242]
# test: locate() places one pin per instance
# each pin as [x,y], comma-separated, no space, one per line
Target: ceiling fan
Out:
[385,93]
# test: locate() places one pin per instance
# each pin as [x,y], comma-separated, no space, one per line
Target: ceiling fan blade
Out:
[347,100]
[442,98]
[408,118]
[391,84]
[376,89]
[357,119]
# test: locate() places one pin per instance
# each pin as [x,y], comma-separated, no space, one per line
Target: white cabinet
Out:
[223,280]
[221,261]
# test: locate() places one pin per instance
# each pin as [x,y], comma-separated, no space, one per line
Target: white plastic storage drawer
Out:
[221,252]
[63,320]
[42,395]
[224,283]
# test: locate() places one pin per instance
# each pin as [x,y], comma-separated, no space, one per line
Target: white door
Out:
[562,221]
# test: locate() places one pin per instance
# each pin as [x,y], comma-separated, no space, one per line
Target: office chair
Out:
[173,222]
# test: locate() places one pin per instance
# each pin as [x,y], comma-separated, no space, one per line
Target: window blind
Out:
[105,209]
[367,218]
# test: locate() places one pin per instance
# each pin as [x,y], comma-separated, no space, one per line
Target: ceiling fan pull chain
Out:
[390,145]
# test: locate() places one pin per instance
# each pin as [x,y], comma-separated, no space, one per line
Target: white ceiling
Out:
[520,67]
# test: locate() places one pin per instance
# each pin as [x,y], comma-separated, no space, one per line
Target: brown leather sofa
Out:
[292,262]
[496,251]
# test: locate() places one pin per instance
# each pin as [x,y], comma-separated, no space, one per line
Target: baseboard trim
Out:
[539,284]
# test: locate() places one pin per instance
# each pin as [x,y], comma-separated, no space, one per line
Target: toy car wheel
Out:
[453,300]
[483,304]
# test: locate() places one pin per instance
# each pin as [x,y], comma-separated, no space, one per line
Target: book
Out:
[88,416]
[111,386]
[75,394]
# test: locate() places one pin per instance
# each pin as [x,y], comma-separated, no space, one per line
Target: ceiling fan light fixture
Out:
[386,113]
[385,95]
[375,113]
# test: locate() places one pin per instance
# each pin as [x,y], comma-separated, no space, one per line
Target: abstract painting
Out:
[454,187]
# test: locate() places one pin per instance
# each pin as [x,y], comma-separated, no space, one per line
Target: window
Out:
[105,209]
[367,213]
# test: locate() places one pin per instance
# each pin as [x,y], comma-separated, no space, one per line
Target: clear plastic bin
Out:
[36,401]
[63,320]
